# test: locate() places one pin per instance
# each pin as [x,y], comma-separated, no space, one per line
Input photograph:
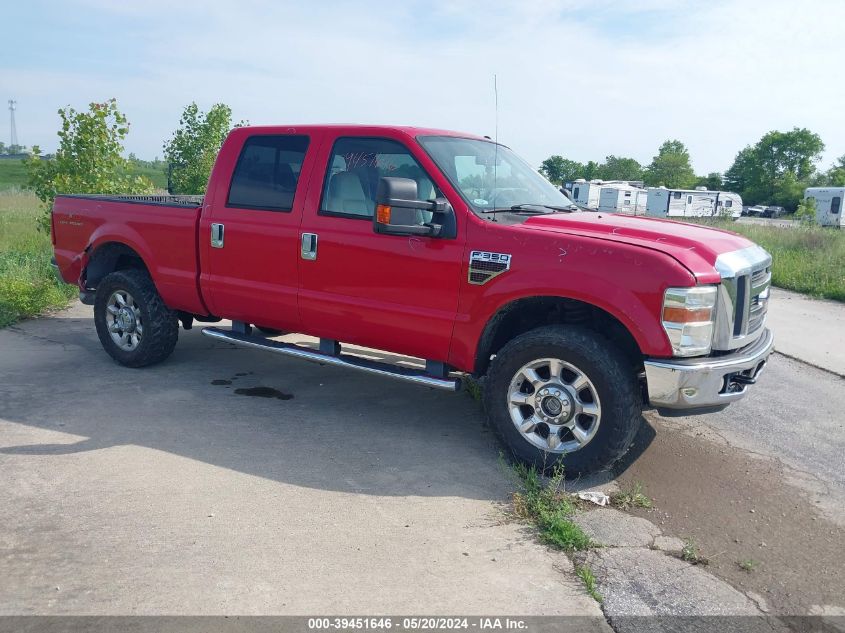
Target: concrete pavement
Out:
[171,490]
[810,330]
[164,491]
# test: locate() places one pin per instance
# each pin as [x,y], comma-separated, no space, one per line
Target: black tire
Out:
[268,331]
[160,324]
[606,367]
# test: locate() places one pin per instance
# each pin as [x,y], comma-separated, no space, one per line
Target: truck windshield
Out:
[491,177]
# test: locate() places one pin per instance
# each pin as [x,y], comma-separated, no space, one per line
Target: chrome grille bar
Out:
[743,297]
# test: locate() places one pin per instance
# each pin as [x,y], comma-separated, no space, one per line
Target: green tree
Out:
[2,147]
[713,181]
[806,211]
[560,170]
[194,146]
[591,170]
[89,158]
[777,168]
[671,167]
[835,176]
[620,168]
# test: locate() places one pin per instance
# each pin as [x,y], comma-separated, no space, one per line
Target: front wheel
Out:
[563,396]
[134,325]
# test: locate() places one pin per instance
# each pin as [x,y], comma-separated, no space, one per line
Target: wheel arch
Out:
[527,313]
[109,257]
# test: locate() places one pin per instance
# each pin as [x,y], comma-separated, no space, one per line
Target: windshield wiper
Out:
[527,208]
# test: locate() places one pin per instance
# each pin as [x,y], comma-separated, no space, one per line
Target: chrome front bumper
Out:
[681,385]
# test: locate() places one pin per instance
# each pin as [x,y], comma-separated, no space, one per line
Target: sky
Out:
[579,78]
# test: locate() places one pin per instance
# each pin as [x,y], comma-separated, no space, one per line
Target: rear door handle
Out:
[216,235]
[309,246]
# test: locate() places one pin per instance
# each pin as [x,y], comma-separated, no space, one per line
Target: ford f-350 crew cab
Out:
[441,246]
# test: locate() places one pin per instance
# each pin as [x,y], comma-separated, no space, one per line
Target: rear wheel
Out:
[563,395]
[133,324]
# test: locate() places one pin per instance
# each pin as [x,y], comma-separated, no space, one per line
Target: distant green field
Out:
[157,175]
[13,174]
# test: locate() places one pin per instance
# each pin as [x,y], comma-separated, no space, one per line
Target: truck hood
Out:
[693,246]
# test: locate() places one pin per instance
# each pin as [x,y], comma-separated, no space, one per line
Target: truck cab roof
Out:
[352,128]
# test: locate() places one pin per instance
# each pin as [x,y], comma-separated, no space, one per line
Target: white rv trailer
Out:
[586,193]
[623,198]
[828,204]
[692,203]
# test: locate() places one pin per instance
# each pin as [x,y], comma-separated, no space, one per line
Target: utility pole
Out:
[12,107]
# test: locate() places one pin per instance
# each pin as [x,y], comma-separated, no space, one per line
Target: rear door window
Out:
[267,172]
[835,204]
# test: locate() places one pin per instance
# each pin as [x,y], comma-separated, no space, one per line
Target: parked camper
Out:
[692,203]
[586,193]
[828,204]
[621,198]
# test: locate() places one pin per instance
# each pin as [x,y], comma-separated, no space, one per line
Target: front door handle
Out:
[309,246]
[216,235]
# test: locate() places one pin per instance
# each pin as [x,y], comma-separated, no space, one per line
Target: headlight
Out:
[688,316]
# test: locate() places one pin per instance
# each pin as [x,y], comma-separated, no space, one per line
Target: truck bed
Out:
[161,229]
[163,200]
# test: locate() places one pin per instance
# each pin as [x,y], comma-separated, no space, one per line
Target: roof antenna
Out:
[495,139]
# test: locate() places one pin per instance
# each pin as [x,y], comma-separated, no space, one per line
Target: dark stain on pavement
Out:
[263,392]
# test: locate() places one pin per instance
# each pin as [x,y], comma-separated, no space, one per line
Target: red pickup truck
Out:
[438,245]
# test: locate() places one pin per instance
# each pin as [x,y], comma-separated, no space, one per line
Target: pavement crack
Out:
[814,365]
[37,337]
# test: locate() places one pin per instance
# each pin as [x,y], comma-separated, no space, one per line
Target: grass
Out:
[807,259]
[13,175]
[692,554]
[27,283]
[748,565]
[588,578]
[547,506]
[473,388]
[632,497]
[157,175]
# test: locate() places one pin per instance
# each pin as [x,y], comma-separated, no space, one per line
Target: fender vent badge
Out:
[483,266]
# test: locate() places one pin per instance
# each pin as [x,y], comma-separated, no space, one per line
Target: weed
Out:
[631,497]
[748,565]
[473,388]
[692,554]
[588,578]
[27,282]
[547,505]
[808,259]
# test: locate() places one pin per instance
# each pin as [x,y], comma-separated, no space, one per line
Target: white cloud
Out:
[584,79]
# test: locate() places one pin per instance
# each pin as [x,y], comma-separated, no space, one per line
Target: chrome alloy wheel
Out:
[554,405]
[123,317]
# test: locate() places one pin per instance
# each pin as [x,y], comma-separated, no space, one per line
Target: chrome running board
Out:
[340,360]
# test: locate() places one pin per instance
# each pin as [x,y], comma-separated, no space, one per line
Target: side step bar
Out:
[341,360]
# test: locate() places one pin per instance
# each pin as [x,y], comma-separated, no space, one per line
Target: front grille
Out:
[760,276]
[743,297]
[752,294]
[756,314]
